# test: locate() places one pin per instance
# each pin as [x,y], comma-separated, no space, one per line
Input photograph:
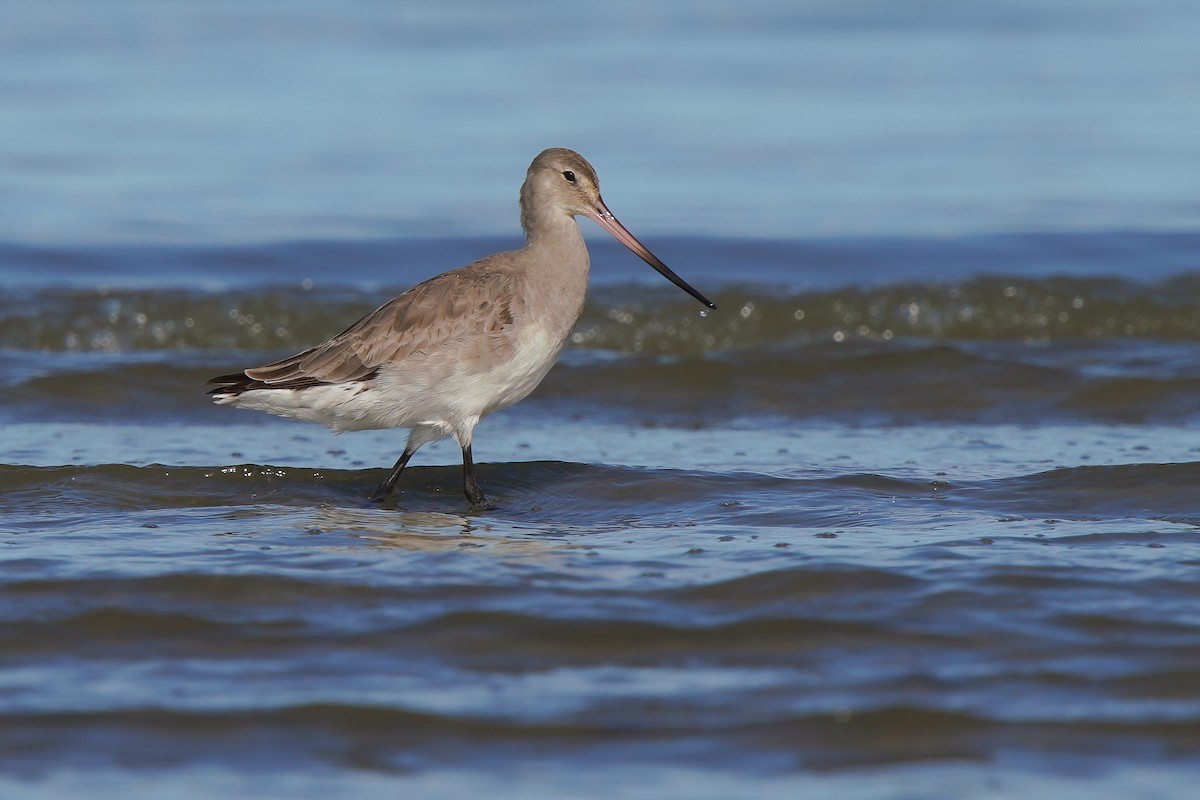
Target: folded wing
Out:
[468,310]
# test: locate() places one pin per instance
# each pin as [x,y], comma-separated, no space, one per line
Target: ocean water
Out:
[912,514]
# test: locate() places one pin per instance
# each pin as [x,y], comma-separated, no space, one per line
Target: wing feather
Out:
[460,314]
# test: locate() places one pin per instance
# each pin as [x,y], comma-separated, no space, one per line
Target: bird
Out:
[446,353]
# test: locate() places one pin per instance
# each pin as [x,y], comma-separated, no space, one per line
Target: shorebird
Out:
[446,353]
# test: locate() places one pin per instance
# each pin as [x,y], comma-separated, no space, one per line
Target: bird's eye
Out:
[570,176]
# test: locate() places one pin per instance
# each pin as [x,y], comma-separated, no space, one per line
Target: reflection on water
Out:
[433,532]
[770,621]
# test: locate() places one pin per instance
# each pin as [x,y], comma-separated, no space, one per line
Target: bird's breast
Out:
[536,349]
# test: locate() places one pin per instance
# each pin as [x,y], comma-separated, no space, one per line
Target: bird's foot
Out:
[475,497]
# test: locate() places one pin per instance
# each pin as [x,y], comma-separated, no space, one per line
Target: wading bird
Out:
[446,353]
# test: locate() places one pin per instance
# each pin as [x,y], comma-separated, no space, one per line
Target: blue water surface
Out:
[759,147]
[217,122]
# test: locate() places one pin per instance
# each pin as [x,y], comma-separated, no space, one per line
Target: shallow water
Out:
[913,514]
[926,532]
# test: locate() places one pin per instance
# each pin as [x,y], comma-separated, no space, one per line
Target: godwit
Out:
[446,353]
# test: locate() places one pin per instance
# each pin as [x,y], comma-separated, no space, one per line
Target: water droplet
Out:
[703,313]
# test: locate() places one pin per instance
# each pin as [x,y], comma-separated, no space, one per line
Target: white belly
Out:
[440,392]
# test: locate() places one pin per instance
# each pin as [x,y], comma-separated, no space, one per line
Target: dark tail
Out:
[229,385]
[238,382]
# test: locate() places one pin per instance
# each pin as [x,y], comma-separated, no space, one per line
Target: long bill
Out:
[605,219]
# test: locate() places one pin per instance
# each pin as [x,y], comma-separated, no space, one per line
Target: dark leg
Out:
[470,485]
[386,487]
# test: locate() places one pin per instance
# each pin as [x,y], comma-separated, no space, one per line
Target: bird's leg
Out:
[470,485]
[386,487]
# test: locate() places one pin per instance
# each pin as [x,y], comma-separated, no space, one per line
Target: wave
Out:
[585,494]
[383,742]
[874,382]
[627,319]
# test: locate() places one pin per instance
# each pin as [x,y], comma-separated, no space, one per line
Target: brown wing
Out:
[469,308]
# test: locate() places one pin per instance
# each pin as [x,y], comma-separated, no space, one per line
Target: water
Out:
[237,122]
[912,514]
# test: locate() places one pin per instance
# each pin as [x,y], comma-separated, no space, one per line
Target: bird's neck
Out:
[557,243]
[558,268]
